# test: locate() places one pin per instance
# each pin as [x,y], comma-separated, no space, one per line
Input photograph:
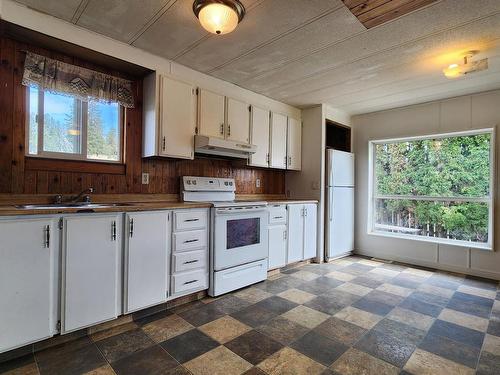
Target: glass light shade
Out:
[218,18]
[452,71]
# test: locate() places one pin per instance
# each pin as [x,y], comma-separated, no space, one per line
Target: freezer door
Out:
[340,168]
[339,221]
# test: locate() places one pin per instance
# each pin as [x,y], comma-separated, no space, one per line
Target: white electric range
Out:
[238,233]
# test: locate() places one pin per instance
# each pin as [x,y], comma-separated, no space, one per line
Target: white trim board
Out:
[438,266]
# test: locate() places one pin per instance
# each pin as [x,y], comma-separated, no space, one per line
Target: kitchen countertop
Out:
[12,210]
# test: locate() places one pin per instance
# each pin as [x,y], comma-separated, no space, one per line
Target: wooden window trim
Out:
[77,166]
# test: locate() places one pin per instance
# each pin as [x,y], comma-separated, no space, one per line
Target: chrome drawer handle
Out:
[191,261]
[278,217]
[188,220]
[190,241]
[190,282]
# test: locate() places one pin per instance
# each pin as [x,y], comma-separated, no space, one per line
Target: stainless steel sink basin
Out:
[79,205]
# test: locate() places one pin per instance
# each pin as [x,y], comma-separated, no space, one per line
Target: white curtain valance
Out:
[85,84]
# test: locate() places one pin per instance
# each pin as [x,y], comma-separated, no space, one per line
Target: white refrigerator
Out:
[339,219]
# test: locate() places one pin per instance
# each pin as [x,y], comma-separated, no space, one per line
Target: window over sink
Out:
[61,126]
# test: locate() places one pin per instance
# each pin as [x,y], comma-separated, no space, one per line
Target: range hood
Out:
[222,147]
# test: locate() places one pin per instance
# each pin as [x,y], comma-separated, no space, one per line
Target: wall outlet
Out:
[257,182]
[315,185]
[145,178]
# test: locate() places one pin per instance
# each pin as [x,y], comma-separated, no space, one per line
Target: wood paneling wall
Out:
[22,175]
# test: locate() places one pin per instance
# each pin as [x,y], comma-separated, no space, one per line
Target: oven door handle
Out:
[239,211]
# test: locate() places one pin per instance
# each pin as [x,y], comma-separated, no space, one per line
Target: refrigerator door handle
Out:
[330,204]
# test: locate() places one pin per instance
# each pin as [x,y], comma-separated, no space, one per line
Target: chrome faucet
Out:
[86,195]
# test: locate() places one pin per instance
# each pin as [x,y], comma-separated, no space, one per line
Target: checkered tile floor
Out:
[353,316]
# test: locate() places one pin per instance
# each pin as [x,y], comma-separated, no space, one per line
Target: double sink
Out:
[78,205]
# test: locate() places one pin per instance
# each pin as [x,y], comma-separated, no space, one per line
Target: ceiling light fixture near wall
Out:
[219,16]
[466,67]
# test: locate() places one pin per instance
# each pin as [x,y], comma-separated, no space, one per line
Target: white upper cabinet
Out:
[169,117]
[28,253]
[259,136]
[237,121]
[278,157]
[211,114]
[177,118]
[294,144]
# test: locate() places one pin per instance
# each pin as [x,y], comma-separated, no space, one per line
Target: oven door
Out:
[240,236]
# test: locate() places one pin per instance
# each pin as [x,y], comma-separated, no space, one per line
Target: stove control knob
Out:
[194,182]
[188,182]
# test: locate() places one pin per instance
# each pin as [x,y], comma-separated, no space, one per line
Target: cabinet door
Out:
[295,233]
[238,121]
[146,259]
[294,139]
[211,114]
[310,228]
[177,118]
[259,128]
[278,141]
[277,246]
[27,251]
[90,282]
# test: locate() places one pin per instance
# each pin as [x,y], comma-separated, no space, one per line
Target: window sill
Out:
[83,166]
[442,241]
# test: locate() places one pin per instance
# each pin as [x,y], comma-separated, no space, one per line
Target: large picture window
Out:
[64,127]
[436,188]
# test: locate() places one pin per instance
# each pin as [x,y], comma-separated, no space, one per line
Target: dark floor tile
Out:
[450,349]
[480,282]
[277,304]
[253,346]
[186,306]
[280,285]
[189,345]
[202,315]
[367,281]
[430,298]
[143,319]
[318,269]
[458,333]
[326,305]
[254,316]
[76,357]
[254,371]
[290,271]
[230,304]
[494,327]
[469,304]
[373,307]
[283,330]
[326,282]
[400,331]
[407,281]
[340,330]
[357,269]
[386,347]
[124,344]
[489,364]
[319,348]
[416,305]
[383,297]
[158,310]
[443,282]
[153,360]
[16,363]
[315,288]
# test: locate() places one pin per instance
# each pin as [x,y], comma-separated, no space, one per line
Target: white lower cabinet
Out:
[91,270]
[28,282]
[189,266]
[277,236]
[302,229]
[147,254]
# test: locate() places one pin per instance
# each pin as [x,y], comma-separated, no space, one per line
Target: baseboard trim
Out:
[438,266]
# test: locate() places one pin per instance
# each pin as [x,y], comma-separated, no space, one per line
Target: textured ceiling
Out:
[305,52]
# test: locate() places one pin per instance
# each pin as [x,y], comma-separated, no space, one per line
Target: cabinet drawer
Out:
[186,281]
[189,260]
[277,214]
[190,219]
[191,240]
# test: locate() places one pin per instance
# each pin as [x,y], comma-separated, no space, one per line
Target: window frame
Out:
[83,113]
[490,200]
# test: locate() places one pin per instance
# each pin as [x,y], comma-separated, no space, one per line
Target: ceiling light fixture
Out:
[219,16]
[466,67]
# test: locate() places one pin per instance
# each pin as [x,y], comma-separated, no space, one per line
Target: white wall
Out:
[461,113]
[18,14]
